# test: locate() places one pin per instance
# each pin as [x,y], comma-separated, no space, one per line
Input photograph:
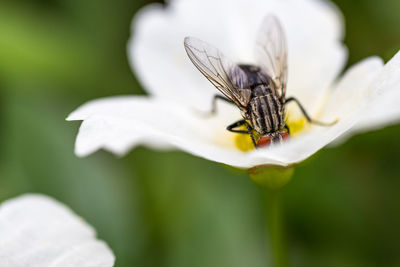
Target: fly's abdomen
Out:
[266,114]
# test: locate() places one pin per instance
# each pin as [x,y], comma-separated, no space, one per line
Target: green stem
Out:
[273,179]
[275,227]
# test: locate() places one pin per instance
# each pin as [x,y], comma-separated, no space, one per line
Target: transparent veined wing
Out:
[227,77]
[271,53]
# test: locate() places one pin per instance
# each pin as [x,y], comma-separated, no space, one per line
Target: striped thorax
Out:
[265,111]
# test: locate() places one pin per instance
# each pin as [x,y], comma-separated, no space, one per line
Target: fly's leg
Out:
[214,103]
[308,118]
[249,131]
[234,125]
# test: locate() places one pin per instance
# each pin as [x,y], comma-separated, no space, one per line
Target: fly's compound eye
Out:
[264,141]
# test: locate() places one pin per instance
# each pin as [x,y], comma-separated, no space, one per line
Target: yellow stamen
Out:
[243,141]
[297,125]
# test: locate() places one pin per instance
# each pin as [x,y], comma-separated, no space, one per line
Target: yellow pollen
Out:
[243,141]
[297,125]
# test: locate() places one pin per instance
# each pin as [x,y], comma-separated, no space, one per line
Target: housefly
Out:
[257,90]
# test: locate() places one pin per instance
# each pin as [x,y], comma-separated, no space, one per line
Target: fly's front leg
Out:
[234,125]
[308,118]
[214,103]
[249,131]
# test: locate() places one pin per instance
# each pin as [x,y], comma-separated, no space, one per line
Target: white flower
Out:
[37,231]
[172,116]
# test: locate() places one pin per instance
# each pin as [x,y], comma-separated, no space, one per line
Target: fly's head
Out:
[273,138]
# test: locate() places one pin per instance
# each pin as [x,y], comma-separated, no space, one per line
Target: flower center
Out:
[244,143]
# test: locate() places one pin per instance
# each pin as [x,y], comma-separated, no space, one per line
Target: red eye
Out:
[285,136]
[264,141]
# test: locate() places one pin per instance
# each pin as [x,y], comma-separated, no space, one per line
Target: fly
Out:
[259,91]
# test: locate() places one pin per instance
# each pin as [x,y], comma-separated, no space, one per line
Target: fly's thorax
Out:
[266,112]
[254,76]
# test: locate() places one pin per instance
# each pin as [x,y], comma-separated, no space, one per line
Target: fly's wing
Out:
[271,53]
[228,78]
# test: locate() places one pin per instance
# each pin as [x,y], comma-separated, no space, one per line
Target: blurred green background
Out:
[342,206]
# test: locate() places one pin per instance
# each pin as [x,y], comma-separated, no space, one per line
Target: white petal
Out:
[352,89]
[316,55]
[37,231]
[350,94]
[120,123]
[383,99]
